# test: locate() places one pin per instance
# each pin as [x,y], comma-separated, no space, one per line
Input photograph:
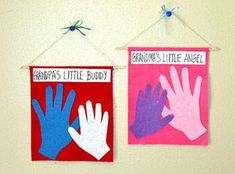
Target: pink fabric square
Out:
[139,75]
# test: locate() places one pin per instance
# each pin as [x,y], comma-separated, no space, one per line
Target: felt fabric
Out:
[182,74]
[56,95]
[149,109]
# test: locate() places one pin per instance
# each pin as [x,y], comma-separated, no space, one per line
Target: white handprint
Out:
[93,130]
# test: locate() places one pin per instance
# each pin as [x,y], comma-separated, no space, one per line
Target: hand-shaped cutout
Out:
[93,130]
[55,121]
[149,109]
[183,104]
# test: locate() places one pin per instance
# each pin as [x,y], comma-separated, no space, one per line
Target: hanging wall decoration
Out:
[168,90]
[72,107]
[72,113]
[168,96]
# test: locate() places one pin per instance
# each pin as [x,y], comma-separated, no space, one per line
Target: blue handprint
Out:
[149,109]
[55,121]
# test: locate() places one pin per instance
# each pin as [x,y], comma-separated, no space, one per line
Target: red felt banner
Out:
[55,89]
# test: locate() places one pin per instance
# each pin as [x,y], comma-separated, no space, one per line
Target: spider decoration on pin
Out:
[167,12]
[76,26]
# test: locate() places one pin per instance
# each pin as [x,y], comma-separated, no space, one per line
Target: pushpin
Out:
[166,12]
[72,28]
[76,26]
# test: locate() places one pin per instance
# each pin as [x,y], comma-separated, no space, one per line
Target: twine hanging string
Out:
[43,52]
[212,47]
[165,13]
[76,26]
[124,47]
[103,54]
[168,13]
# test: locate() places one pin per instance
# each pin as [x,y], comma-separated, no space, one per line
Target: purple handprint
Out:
[149,109]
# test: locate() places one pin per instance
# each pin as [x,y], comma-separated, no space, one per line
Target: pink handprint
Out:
[183,103]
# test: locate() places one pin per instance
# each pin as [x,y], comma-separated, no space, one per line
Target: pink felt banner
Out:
[178,112]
